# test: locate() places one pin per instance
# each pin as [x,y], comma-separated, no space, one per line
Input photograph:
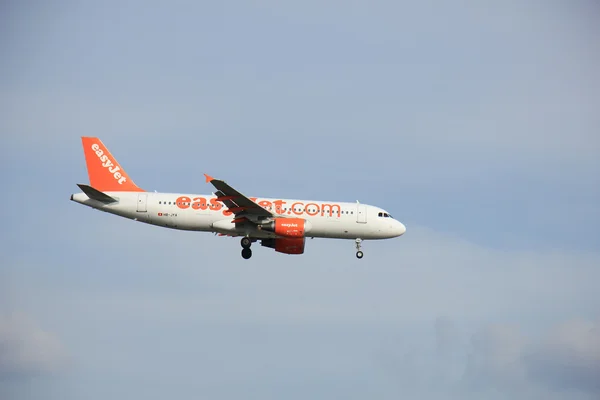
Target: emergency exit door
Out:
[361,214]
[142,200]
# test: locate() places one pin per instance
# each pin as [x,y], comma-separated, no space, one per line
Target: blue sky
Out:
[475,125]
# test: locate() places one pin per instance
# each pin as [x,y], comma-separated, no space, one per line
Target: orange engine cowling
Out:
[286,227]
[285,245]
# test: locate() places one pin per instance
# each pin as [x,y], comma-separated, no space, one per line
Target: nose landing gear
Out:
[246,242]
[359,253]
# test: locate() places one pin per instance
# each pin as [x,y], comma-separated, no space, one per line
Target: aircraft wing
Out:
[236,202]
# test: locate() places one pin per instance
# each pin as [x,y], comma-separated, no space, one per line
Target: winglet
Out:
[208,178]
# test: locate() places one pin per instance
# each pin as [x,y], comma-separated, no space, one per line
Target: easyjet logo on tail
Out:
[107,163]
[104,171]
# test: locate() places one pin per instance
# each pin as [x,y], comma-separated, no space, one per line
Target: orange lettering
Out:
[309,211]
[215,205]
[183,202]
[199,203]
[266,204]
[279,206]
[331,207]
[294,208]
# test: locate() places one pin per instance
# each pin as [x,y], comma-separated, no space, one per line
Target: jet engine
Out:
[287,227]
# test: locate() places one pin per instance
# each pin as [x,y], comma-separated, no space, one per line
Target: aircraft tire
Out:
[359,254]
[246,242]
[246,253]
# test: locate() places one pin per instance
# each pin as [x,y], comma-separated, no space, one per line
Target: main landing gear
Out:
[359,253]
[246,242]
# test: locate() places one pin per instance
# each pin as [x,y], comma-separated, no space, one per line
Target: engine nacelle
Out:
[285,245]
[287,227]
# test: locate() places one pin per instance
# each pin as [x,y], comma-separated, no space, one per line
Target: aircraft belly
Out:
[327,228]
[342,229]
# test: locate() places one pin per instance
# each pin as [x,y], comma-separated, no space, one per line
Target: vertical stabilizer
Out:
[106,174]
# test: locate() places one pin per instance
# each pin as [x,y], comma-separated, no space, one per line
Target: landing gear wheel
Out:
[246,253]
[246,242]
[359,254]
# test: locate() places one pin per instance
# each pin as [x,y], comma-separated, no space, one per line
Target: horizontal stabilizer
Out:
[95,194]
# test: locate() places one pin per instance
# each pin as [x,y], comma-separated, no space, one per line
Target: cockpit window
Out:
[380,215]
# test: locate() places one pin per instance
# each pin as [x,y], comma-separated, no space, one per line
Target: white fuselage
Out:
[325,219]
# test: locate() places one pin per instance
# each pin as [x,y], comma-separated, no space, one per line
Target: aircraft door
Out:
[361,214]
[142,202]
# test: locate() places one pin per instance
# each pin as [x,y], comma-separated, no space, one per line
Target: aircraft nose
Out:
[400,229]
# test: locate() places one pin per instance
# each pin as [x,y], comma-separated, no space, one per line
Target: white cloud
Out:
[564,358]
[568,357]
[27,350]
[494,359]
[501,361]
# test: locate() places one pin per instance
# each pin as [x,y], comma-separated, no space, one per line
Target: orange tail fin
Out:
[104,171]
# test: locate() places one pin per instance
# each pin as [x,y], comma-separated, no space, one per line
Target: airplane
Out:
[280,224]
